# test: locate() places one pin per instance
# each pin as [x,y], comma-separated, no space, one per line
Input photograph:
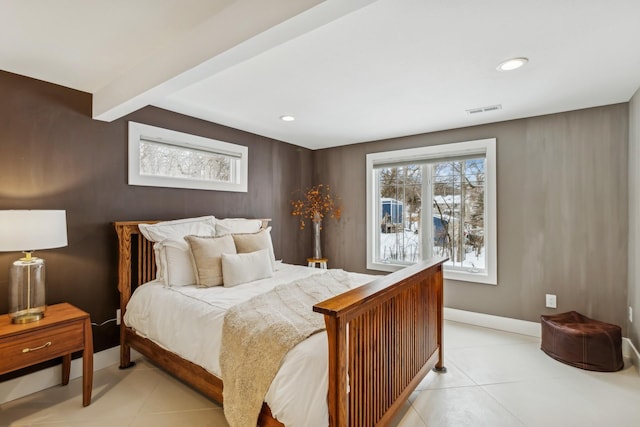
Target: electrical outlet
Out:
[630,314]
[551,301]
[118,316]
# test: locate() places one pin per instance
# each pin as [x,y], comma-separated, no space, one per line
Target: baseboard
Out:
[630,353]
[507,324]
[50,377]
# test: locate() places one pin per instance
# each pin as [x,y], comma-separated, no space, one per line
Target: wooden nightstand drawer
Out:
[44,344]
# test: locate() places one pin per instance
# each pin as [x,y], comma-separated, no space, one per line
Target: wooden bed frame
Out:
[384,337]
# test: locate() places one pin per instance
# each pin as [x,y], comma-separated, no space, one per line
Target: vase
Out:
[317,226]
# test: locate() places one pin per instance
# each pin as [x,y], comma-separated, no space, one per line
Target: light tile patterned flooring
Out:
[494,379]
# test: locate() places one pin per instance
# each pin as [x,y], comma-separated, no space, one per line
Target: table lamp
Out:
[27,231]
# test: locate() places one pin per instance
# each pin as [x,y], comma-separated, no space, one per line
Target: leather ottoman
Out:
[582,342]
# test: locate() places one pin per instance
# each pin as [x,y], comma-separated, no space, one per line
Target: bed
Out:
[381,338]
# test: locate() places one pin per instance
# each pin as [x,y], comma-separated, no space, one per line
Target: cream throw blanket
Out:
[258,333]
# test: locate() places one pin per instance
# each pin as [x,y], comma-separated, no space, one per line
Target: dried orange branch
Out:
[316,203]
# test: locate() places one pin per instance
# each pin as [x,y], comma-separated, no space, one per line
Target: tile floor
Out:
[494,379]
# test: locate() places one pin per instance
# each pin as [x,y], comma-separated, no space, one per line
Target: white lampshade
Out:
[30,230]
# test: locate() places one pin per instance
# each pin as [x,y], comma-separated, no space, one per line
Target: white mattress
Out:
[188,321]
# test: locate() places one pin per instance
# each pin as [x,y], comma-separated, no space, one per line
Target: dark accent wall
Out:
[562,212]
[54,156]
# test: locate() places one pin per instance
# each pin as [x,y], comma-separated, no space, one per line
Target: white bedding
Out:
[188,321]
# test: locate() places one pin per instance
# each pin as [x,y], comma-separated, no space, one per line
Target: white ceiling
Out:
[349,70]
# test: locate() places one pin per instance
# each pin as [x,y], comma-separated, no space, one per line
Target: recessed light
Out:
[287,118]
[512,64]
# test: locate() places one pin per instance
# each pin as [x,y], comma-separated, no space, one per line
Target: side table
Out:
[322,262]
[63,330]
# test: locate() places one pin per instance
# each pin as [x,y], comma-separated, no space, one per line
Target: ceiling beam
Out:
[241,31]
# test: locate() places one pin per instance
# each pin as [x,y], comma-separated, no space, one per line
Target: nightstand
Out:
[63,330]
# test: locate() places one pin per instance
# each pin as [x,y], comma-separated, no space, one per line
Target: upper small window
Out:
[165,158]
[434,201]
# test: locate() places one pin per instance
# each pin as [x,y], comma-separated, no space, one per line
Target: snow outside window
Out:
[434,201]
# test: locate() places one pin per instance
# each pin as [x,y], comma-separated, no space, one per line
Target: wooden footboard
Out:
[383,337]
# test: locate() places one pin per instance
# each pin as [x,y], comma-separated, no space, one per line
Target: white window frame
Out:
[485,147]
[139,131]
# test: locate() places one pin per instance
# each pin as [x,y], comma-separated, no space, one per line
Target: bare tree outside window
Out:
[456,211]
[180,162]
[458,208]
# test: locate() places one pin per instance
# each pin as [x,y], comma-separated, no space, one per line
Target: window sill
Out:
[463,276]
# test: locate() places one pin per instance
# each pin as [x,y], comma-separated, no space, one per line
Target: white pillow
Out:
[174,230]
[243,268]
[254,242]
[158,256]
[178,263]
[201,226]
[237,225]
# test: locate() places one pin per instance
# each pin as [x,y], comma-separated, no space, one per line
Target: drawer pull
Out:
[27,350]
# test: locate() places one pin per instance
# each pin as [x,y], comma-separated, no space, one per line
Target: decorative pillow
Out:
[254,242]
[206,255]
[175,231]
[243,268]
[178,265]
[237,226]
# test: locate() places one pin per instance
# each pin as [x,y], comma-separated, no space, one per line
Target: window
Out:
[434,201]
[165,158]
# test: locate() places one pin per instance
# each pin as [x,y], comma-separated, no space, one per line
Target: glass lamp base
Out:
[26,317]
[26,290]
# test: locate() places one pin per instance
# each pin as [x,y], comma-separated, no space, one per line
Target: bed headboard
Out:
[134,251]
[136,263]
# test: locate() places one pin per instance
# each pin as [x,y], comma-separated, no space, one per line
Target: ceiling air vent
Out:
[484,109]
